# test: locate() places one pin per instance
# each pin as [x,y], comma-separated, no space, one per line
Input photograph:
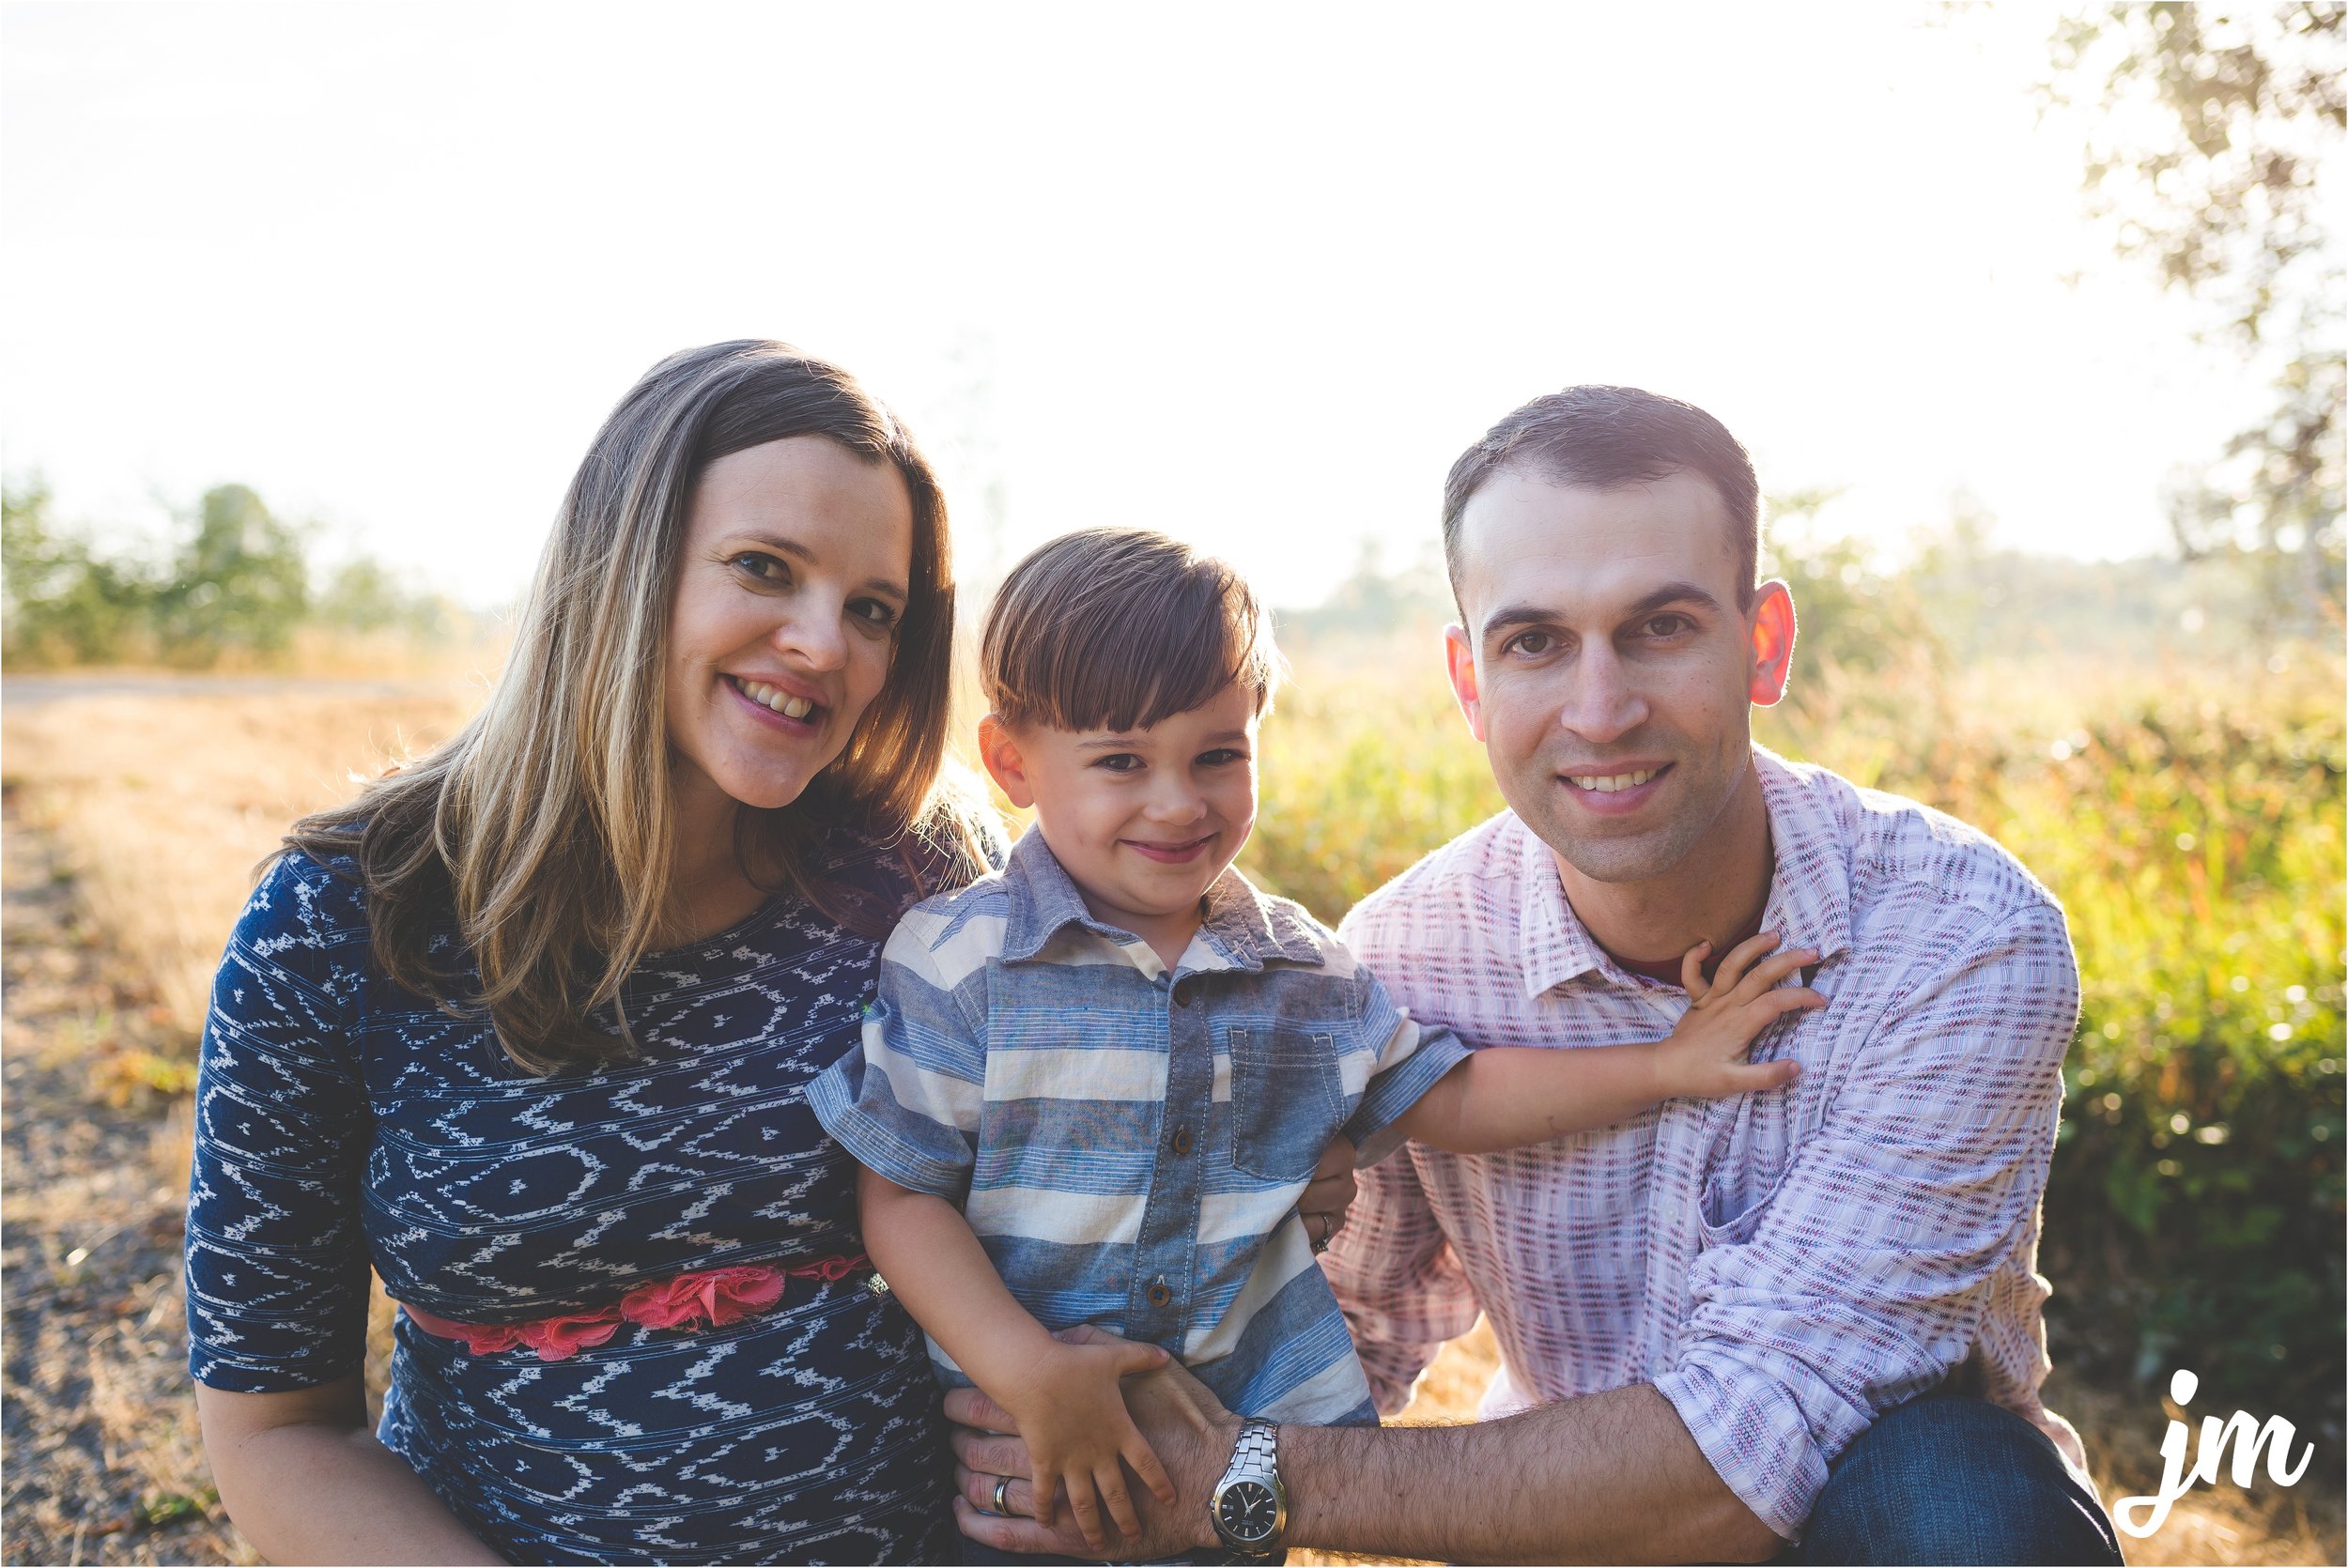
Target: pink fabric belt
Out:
[715,1296]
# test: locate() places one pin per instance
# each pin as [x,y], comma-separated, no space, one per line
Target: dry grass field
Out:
[162,800]
[135,820]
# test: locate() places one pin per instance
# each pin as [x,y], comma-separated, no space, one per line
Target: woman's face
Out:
[796,559]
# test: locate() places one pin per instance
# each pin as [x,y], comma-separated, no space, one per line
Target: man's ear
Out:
[1459,656]
[1773,627]
[998,749]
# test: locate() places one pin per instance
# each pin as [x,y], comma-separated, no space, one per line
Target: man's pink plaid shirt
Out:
[1781,1267]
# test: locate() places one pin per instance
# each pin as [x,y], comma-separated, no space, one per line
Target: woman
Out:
[526,1027]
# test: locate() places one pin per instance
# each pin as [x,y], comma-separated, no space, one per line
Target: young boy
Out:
[1095,1082]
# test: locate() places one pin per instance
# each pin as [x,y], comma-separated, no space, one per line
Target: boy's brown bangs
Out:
[1120,629]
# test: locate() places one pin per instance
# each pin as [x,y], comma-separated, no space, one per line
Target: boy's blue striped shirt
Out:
[1129,1144]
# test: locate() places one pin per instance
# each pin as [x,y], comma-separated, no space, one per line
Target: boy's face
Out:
[1142,821]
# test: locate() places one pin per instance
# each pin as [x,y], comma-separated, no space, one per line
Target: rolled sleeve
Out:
[1406,1059]
[1397,1282]
[1863,1279]
[905,1101]
[1411,1061]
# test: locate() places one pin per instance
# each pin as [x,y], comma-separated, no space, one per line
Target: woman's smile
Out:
[780,704]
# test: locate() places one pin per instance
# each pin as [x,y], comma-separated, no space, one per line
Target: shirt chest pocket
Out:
[1288,1100]
[1733,1209]
[1751,1153]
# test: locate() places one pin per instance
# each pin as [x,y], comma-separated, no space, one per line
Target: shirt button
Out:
[1159,1295]
[1182,1140]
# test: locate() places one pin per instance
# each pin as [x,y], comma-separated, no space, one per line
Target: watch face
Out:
[1248,1511]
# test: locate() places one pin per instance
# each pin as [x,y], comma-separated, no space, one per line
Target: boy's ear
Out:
[998,749]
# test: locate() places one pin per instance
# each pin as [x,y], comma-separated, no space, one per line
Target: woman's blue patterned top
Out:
[342,1121]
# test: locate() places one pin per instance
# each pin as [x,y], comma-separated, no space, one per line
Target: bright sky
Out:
[1253,274]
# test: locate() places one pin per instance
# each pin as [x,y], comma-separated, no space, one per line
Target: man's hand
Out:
[1185,1425]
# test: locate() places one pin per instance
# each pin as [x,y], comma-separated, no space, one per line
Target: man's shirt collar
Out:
[1243,929]
[1809,888]
[1809,897]
[1557,946]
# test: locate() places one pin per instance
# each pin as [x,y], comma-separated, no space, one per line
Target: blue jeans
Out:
[1949,1479]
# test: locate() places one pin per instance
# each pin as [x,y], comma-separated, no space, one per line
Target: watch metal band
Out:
[1257,1451]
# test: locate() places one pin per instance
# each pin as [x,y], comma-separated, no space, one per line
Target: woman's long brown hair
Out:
[544,828]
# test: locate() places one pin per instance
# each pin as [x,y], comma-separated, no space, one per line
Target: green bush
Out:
[65,604]
[237,584]
[2195,1208]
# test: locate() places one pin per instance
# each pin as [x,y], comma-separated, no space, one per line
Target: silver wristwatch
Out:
[1250,1507]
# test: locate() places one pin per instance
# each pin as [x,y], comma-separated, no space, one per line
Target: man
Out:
[1808,1316]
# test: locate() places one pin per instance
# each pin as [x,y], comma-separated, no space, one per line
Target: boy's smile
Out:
[1170,855]
[1142,821]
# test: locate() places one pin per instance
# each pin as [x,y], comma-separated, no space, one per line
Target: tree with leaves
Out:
[235,581]
[2214,133]
[239,580]
[62,602]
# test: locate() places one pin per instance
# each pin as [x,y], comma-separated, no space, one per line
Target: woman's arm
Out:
[1504,1096]
[276,1255]
[1066,1396]
[306,1481]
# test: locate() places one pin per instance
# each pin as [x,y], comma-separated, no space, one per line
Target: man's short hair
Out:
[1606,439]
[1118,628]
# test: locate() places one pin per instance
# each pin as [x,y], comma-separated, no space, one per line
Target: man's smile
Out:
[1613,788]
[1607,783]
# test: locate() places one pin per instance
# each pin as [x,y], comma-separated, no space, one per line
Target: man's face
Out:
[1606,665]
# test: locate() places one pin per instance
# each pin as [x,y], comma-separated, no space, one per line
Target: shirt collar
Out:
[1557,947]
[1809,897]
[1242,925]
[1251,927]
[1809,885]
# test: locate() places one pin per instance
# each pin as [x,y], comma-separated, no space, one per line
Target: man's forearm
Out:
[1609,1477]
